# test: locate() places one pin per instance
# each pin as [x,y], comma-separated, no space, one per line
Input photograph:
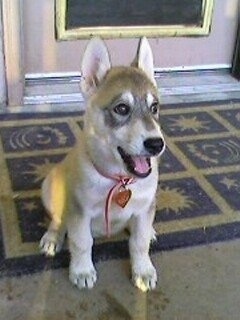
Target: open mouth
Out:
[140,166]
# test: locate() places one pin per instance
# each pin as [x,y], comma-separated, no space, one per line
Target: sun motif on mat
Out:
[231,184]
[29,206]
[201,154]
[173,199]
[40,171]
[192,123]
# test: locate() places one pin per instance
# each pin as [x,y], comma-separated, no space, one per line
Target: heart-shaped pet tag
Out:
[122,197]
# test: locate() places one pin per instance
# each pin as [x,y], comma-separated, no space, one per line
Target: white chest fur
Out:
[94,202]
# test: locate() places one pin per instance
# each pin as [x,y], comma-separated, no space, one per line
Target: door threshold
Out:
[174,87]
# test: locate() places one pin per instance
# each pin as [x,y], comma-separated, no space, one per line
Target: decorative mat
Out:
[198,199]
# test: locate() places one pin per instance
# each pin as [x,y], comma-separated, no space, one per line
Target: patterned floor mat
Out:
[198,198]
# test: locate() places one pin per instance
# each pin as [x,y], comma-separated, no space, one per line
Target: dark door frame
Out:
[236,56]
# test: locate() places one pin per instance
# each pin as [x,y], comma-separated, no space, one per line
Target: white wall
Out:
[42,53]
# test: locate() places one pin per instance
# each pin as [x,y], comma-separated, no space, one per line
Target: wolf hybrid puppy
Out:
[108,181]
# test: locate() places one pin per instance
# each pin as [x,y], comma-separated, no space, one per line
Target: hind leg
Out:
[52,240]
[54,200]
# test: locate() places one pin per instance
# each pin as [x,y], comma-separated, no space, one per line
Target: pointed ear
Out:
[95,64]
[144,58]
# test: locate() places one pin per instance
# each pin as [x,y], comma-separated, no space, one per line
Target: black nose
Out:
[154,145]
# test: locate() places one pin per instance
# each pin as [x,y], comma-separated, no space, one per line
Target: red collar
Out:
[120,182]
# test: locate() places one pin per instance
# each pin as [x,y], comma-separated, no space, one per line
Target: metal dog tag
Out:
[122,197]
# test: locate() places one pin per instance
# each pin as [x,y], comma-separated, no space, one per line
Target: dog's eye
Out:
[154,108]
[122,109]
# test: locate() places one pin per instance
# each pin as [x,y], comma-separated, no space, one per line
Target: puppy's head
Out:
[122,116]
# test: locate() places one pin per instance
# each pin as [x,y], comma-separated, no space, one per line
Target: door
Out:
[33,52]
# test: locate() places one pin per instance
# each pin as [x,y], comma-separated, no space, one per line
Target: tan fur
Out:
[121,79]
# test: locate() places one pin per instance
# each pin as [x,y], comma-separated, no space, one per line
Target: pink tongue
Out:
[140,164]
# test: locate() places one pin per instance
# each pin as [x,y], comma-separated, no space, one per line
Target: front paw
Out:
[83,278]
[144,277]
